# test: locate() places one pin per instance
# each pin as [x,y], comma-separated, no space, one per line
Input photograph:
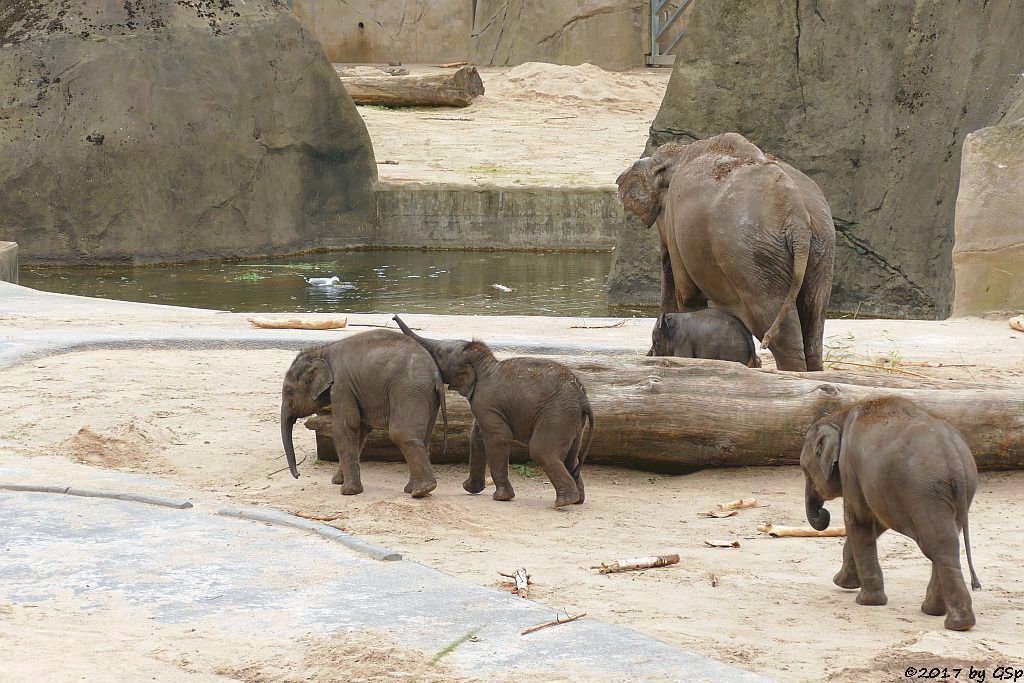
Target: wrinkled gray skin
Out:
[707,333]
[744,230]
[533,401]
[898,468]
[371,380]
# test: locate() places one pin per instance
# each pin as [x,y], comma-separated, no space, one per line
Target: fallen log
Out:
[298,324]
[636,563]
[449,89]
[680,415]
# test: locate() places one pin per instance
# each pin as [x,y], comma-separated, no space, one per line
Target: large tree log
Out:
[679,415]
[456,89]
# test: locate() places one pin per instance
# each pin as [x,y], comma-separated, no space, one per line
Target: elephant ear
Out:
[826,449]
[640,189]
[317,377]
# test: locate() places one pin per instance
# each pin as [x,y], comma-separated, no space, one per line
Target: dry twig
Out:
[722,544]
[597,327]
[556,622]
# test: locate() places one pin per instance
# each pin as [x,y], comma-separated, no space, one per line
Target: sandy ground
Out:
[597,119]
[208,421]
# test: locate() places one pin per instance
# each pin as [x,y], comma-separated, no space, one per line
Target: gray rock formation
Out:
[9,262]
[608,33]
[988,257]
[872,100]
[159,130]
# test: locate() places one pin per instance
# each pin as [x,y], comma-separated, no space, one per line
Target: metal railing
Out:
[664,18]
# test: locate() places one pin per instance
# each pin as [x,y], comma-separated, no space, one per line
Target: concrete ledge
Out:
[9,262]
[475,217]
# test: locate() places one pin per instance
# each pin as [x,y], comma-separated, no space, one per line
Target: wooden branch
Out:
[776,531]
[637,563]
[712,543]
[318,518]
[682,415]
[454,89]
[296,324]
[741,504]
[556,622]
[522,581]
[597,327]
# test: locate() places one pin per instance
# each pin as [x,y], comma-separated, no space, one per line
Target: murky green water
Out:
[377,281]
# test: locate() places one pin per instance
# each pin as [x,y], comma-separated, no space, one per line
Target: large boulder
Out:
[988,257]
[872,100]
[160,130]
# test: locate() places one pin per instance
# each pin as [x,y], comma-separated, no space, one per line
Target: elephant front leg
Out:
[862,537]
[497,443]
[346,442]
[847,576]
[477,461]
[669,301]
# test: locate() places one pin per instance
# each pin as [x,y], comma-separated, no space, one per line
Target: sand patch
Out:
[134,446]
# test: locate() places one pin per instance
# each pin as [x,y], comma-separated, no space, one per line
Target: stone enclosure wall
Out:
[871,99]
[9,262]
[613,34]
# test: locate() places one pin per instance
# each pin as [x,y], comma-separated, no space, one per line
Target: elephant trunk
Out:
[433,347]
[817,515]
[287,424]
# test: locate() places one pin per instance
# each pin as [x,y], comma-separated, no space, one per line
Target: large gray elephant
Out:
[744,230]
[898,468]
[533,401]
[372,380]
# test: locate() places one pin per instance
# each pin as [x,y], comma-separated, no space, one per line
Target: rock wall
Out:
[989,254]
[872,100]
[159,130]
[9,262]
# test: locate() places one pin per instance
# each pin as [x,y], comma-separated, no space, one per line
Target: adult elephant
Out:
[744,230]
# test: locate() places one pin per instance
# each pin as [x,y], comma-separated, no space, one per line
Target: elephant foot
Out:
[866,597]
[570,498]
[935,608]
[338,478]
[421,488]
[504,493]
[352,489]
[473,486]
[845,579]
[963,621]
[579,487]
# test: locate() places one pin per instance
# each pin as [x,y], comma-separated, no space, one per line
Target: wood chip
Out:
[296,324]
[777,531]
[637,563]
[722,544]
[741,504]
[718,514]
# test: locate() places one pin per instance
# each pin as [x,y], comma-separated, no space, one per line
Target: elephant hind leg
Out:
[549,447]
[939,540]
[934,604]
[410,441]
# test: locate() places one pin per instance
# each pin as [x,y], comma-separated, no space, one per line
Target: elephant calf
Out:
[708,333]
[896,467]
[536,402]
[371,380]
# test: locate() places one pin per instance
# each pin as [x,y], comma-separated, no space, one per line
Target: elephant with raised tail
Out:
[744,230]
[533,401]
[896,467]
[372,380]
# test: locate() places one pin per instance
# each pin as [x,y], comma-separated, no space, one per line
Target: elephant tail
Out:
[589,413]
[975,584]
[799,238]
[444,418]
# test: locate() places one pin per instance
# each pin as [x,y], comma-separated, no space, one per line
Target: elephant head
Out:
[307,389]
[456,359]
[642,185]
[661,337]
[819,460]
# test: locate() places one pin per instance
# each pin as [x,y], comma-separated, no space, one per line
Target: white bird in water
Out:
[323,281]
[501,288]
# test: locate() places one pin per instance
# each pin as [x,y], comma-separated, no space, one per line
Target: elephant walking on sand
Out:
[744,230]
[372,380]
[898,468]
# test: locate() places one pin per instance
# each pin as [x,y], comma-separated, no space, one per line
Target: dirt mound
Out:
[132,446]
[583,83]
[415,518]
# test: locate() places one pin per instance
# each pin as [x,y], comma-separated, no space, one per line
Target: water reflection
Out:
[377,281]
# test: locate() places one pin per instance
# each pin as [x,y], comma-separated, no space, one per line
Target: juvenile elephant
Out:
[899,468]
[744,230]
[533,401]
[707,333]
[371,380]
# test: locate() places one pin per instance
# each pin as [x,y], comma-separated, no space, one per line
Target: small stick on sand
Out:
[296,324]
[799,531]
[637,563]
[741,504]
[556,622]
[718,514]
[722,544]
[452,65]
[597,327]
[522,580]
[317,518]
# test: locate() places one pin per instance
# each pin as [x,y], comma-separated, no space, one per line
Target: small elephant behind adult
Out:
[896,467]
[533,401]
[372,380]
[708,333]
